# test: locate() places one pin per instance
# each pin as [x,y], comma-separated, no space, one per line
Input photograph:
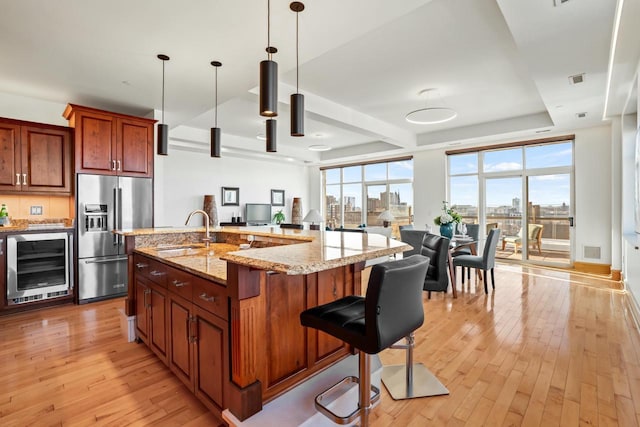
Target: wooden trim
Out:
[588,267]
[370,162]
[616,275]
[34,124]
[560,138]
[634,309]
[72,108]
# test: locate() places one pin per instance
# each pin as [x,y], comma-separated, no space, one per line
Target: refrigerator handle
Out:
[120,239]
[115,215]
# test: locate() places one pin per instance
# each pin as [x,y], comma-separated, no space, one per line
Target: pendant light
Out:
[215,131]
[271,135]
[297,99]
[269,76]
[163,129]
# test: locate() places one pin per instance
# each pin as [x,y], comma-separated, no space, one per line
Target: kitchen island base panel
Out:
[296,407]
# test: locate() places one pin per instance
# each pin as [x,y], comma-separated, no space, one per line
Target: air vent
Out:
[557,3]
[543,130]
[581,115]
[592,252]
[576,79]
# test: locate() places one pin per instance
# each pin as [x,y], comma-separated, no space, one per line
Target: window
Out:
[357,194]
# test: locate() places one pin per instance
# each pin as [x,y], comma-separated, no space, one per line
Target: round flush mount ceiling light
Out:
[438,113]
[319,148]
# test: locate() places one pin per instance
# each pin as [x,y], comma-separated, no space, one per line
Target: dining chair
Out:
[483,262]
[413,238]
[436,248]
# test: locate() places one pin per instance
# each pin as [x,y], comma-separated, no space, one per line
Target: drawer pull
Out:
[207,298]
[157,273]
[179,284]
[141,265]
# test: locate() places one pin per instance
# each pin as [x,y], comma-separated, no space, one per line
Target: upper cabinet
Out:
[110,143]
[35,158]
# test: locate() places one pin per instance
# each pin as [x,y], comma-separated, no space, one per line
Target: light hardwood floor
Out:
[546,348]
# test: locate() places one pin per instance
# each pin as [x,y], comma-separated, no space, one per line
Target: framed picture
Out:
[277,197]
[230,196]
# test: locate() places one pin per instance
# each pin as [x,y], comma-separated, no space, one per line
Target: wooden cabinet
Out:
[111,144]
[190,333]
[35,158]
[151,319]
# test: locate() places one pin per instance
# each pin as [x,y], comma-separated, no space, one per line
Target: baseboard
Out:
[634,309]
[588,267]
[616,275]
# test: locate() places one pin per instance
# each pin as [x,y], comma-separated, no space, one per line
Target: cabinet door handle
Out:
[146,292]
[207,298]
[140,266]
[113,165]
[119,165]
[179,284]
[17,179]
[24,179]
[157,273]
[193,329]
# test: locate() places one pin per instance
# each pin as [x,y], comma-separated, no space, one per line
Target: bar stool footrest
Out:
[338,419]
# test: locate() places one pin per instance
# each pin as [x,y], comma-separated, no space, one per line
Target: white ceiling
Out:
[503,65]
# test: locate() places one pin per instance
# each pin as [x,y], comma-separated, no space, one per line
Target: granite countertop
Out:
[196,259]
[265,231]
[43,225]
[314,251]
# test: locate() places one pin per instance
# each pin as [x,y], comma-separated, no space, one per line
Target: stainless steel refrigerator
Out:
[105,203]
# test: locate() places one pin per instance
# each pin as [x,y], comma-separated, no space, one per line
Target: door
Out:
[135,147]
[135,203]
[95,143]
[180,347]
[549,216]
[101,277]
[96,198]
[9,157]
[503,209]
[210,358]
[46,160]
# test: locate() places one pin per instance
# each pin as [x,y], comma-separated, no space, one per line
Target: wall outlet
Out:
[36,210]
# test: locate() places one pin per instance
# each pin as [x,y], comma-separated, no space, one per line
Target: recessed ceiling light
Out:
[576,79]
[581,115]
[318,135]
[261,137]
[319,148]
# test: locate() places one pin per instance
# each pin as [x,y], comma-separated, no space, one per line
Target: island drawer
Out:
[151,269]
[180,282]
[211,297]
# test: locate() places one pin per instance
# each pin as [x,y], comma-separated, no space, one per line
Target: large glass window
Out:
[356,195]
[524,190]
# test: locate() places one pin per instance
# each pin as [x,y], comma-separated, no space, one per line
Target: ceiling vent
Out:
[557,3]
[581,115]
[578,78]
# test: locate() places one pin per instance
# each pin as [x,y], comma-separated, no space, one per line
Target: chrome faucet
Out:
[207,238]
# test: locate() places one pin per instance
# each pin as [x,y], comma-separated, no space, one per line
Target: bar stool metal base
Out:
[410,380]
[366,399]
[423,383]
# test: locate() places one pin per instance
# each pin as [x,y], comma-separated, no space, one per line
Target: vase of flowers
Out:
[447,220]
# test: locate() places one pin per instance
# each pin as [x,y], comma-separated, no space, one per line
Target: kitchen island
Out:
[226,321]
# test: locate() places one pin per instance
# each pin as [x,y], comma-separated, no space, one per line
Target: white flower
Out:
[445,218]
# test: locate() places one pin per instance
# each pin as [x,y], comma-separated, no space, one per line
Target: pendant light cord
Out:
[269,28]
[216,109]
[163,91]
[297,62]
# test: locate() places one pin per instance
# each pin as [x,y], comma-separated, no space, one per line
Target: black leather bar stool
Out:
[391,310]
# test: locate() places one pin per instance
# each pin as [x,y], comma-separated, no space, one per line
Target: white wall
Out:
[429,186]
[31,109]
[593,192]
[183,178]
